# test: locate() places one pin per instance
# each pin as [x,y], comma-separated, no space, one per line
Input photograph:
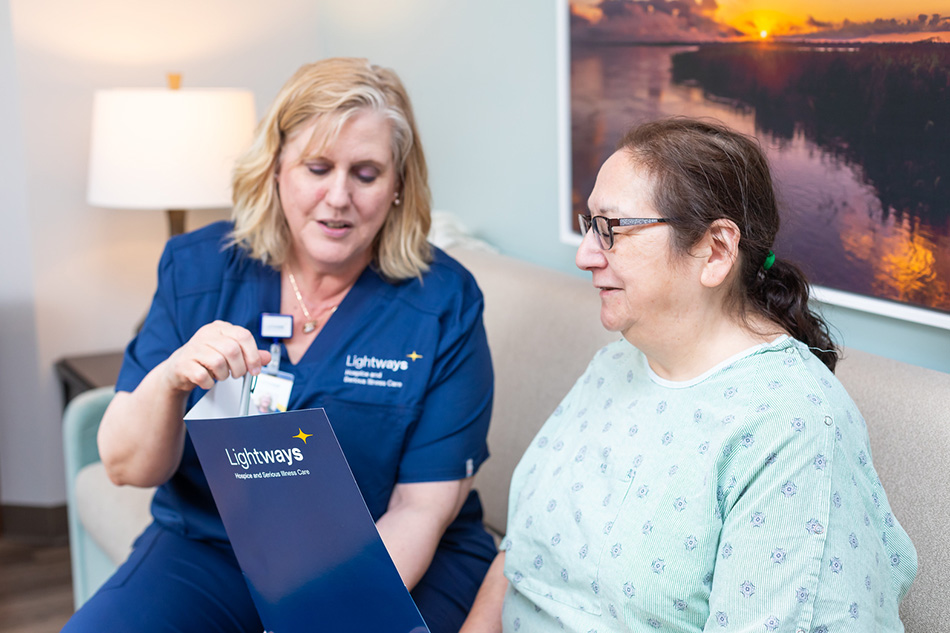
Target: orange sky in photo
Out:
[778,17]
[835,11]
[766,18]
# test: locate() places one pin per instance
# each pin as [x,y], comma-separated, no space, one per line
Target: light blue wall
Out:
[483,78]
[909,342]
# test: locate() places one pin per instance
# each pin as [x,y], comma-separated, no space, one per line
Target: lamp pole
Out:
[176,217]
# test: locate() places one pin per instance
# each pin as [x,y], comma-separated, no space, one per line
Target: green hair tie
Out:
[769,261]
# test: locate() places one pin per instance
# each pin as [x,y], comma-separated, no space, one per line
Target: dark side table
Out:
[82,373]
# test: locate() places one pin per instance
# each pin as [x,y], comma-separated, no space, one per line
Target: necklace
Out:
[311,323]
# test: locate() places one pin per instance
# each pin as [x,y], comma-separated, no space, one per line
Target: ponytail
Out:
[780,294]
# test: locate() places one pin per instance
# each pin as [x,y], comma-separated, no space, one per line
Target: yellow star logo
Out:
[414,356]
[303,436]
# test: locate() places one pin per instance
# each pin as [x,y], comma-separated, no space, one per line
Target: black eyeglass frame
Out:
[606,239]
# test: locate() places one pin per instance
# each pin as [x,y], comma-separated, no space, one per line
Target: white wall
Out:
[23,431]
[483,78]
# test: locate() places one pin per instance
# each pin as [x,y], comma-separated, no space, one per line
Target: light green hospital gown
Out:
[742,500]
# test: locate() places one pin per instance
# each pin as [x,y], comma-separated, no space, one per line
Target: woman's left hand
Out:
[417,517]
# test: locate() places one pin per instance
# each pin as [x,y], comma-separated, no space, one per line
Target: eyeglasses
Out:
[604,226]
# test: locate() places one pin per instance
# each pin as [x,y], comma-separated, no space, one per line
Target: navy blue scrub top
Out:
[403,370]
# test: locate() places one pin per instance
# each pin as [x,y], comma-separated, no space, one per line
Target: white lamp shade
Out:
[167,149]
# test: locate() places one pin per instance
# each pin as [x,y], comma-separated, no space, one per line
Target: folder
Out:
[305,540]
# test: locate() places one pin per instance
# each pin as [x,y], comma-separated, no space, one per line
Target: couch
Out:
[543,327]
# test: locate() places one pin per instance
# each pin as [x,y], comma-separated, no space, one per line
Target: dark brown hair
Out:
[703,171]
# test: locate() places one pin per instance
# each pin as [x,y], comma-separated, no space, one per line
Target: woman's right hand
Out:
[216,351]
[142,436]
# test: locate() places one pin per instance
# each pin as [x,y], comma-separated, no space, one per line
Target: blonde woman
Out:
[331,212]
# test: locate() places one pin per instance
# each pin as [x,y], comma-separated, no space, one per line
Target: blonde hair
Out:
[332,91]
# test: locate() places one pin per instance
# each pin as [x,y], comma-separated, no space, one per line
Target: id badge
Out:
[269,392]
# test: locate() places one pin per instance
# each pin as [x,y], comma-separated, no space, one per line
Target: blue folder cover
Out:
[300,529]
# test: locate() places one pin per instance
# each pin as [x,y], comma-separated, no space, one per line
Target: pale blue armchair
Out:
[90,565]
[104,519]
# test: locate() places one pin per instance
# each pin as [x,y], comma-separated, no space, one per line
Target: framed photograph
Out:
[850,100]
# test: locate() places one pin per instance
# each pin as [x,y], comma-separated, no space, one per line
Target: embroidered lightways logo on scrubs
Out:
[372,371]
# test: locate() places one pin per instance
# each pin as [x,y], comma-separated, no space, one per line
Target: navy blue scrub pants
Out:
[175,584]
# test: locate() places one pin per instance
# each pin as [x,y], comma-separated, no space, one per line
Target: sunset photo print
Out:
[850,99]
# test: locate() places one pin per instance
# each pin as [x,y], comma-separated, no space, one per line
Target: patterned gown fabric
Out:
[744,499]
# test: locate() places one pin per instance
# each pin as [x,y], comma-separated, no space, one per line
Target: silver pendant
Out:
[309,327]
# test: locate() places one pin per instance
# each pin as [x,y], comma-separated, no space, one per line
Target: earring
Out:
[397,201]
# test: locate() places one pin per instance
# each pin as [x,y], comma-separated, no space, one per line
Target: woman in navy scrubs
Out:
[331,213]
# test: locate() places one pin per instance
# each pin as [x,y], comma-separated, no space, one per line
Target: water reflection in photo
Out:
[865,206]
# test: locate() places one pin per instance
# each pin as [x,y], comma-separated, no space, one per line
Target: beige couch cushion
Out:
[97,501]
[907,410]
[543,328]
